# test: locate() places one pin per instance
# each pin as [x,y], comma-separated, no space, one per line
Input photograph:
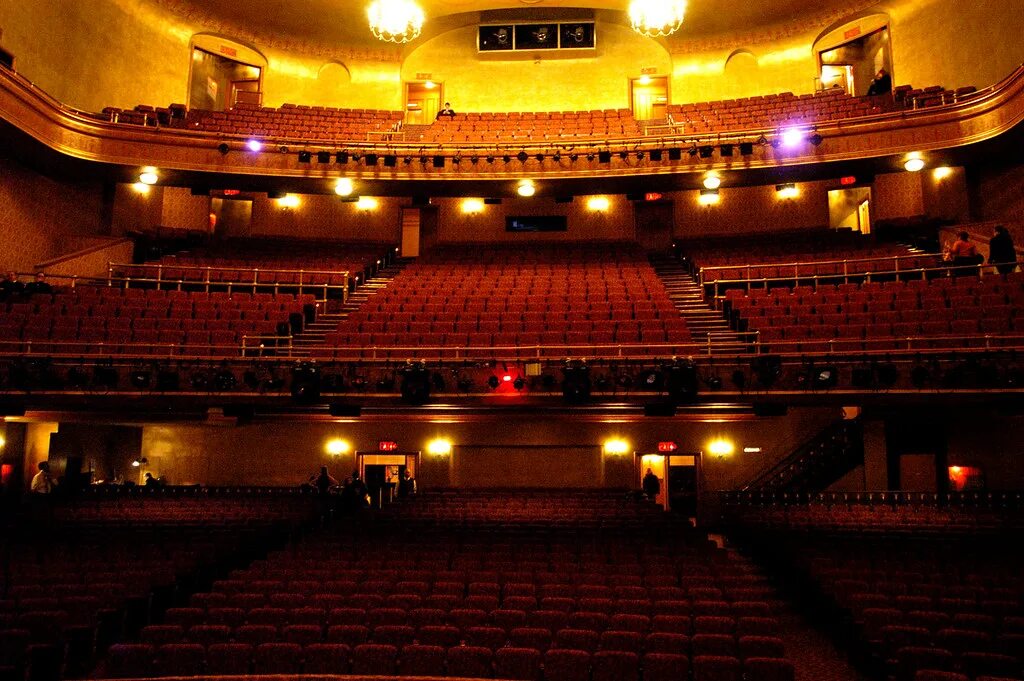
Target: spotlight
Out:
[371,159]
[767,368]
[506,159]
[522,157]
[386,383]
[356,157]
[167,380]
[650,381]
[472,159]
[464,384]
[816,139]
[693,150]
[604,157]
[254,145]
[490,159]
[139,462]
[519,383]
[791,137]
[888,374]
[920,376]
[224,380]
[323,157]
[493,382]
[573,157]
[341,157]
[707,151]
[199,381]
[540,158]
[824,378]
[681,380]
[739,379]
[439,161]
[746,148]
[576,381]
[223,148]
[305,157]
[306,382]
[557,158]
[416,383]
[424,160]
[623,155]
[713,382]
[407,160]
[862,377]
[590,157]
[77,378]
[640,155]
[283,149]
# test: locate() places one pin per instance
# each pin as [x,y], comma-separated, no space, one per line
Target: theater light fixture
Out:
[787,191]
[139,462]
[914,163]
[792,137]
[721,448]
[344,187]
[395,21]
[598,204]
[439,447]
[149,176]
[254,145]
[526,188]
[616,447]
[657,18]
[712,181]
[367,203]
[472,206]
[942,173]
[288,201]
[141,188]
[709,197]
[337,447]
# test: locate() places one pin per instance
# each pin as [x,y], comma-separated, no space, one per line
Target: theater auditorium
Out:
[543,340]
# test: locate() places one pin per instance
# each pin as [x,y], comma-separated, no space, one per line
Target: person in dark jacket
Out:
[651,485]
[1001,251]
[881,85]
[10,286]
[40,286]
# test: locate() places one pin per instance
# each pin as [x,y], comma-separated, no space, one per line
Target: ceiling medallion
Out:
[395,21]
[656,18]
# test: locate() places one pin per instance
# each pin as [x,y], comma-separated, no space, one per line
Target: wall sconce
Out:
[472,206]
[709,197]
[367,203]
[599,204]
[337,447]
[721,448]
[439,447]
[288,201]
[616,447]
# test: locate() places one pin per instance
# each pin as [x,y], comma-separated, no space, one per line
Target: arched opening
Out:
[856,56]
[224,73]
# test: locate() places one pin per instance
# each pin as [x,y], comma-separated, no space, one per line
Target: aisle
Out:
[812,653]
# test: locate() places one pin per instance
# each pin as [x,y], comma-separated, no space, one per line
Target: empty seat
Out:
[373,659]
[422,660]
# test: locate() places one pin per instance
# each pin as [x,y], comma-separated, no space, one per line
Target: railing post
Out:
[846,271]
[110,274]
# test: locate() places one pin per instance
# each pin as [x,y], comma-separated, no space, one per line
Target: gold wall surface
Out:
[597,79]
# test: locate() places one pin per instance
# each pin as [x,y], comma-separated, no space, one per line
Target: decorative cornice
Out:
[767,34]
[204,21]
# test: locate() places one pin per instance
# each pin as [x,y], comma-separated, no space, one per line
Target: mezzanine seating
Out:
[531,127]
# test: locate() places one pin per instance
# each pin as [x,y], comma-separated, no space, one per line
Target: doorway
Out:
[649,97]
[654,221]
[381,473]
[410,233]
[684,483]
[850,209]
[422,102]
[231,217]
[656,464]
[218,82]
[852,65]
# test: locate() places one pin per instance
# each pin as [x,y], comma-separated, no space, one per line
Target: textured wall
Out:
[745,210]
[325,216]
[286,453]
[455,226]
[184,211]
[41,218]
[897,195]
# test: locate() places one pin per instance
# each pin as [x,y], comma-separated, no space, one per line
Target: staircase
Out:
[816,464]
[707,325]
[314,334]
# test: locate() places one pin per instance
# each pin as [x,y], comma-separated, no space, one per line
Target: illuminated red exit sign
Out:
[652,196]
[386,446]
[667,446]
[848,180]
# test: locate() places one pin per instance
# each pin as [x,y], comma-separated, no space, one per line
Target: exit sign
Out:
[667,447]
[387,446]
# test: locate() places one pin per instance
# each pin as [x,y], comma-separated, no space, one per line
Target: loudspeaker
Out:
[305,157]
[439,161]
[746,148]
[675,154]
[200,191]
[275,195]
[371,159]
[390,161]
[769,409]
[323,157]
[420,201]
[604,157]
[492,202]
[564,199]
[660,409]
[635,197]
[656,155]
[346,410]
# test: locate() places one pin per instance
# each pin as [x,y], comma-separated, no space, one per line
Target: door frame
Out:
[414,456]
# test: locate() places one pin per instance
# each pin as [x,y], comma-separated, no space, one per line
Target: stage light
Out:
[675,154]
[149,176]
[573,157]
[493,382]
[139,462]
[767,368]
[457,159]
[289,201]
[709,197]
[506,159]
[914,163]
[681,380]
[344,186]
[623,155]
[591,157]
[439,447]
[223,148]
[815,139]
[254,145]
[337,447]
[105,376]
[407,160]
[140,188]
[306,382]
[141,378]
[371,159]
[472,206]
[825,377]
[490,158]
[367,203]
[616,447]
[787,191]
[390,160]
[942,172]
[598,204]
[540,158]
[888,374]
[416,383]
[721,448]
[526,188]
[791,137]
[640,155]
[224,380]
[712,181]
[576,381]
[523,157]
[167,380]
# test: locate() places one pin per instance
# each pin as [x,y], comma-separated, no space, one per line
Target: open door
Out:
[422,102]
[684,483]
[410,232]
[382,471]
[656,464]
[649,97]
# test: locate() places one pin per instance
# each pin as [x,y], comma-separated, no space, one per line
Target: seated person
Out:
[10,286]
[447,110]
[40,286]
[881,84]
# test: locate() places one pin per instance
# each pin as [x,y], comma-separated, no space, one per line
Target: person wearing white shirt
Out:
[43,482]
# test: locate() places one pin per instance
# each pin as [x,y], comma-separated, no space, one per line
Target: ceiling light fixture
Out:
[344,187]
[712,181]
[395,21]
[526,188]
[656,18]
[149,176]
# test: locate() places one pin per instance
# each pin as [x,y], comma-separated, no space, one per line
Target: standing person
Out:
[651,485]
[323,481]
[43,482]
[1002,253]
[360,494]
[881,84]
[406,485]
[964,255]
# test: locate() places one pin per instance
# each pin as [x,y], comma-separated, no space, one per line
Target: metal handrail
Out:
[972,270]
[845,262]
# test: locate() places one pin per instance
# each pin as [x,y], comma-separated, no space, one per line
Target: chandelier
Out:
[395,21]
[656,18]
